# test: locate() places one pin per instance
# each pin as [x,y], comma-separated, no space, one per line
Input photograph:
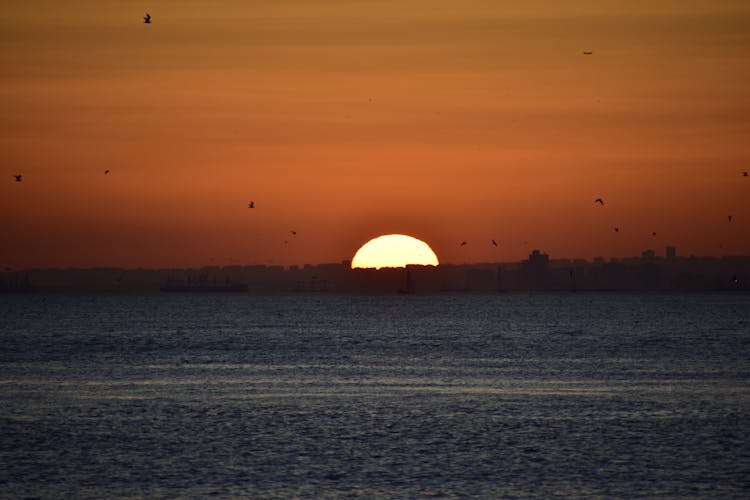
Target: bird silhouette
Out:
[599,201]
[653,234]
[106,172]
[729,217]
[617,229]
[18,177]
[147,19]
[744,174]
[294,233]
[463,243]
[494,243]
[251,204]
[588,52]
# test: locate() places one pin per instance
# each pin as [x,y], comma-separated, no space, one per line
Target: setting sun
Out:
[394,250]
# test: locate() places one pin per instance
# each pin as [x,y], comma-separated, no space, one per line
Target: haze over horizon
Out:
[343,121]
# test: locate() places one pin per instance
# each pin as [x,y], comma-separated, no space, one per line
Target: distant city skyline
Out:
[206,136]
[539,272]
[668,252]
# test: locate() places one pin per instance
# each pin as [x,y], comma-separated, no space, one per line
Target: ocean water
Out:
[402,396]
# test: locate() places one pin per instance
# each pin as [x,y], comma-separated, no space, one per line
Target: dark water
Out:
[375,396]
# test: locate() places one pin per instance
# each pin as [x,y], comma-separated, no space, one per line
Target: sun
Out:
[394,250]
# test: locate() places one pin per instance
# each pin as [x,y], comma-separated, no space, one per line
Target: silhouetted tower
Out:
[671,253]
[538,261]
[536,270]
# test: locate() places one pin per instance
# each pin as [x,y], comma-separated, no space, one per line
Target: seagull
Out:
[599,201]
[463,243]
[147,19]
[251,204]
[494,243]
[18,177]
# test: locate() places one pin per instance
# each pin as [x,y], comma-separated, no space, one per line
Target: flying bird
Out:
[294,233]
[653,234]
[744,174]
[494,243]
[599,201]
[18,177]
[251,204]
[463,243]
[617,229]
[729,217]
[588,52]
[106,172]
[147,19]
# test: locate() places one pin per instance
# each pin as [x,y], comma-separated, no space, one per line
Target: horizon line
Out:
[347,263]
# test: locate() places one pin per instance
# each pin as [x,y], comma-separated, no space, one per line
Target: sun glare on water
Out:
[394,250]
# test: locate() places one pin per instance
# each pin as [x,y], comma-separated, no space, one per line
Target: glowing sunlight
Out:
[394,250]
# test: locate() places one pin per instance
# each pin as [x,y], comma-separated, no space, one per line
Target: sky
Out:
[448,121]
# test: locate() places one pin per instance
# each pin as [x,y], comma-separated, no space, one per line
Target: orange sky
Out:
[343,120]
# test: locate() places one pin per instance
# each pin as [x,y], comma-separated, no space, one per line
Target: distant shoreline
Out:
[537,273]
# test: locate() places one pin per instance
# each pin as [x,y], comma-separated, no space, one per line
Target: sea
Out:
[455,395]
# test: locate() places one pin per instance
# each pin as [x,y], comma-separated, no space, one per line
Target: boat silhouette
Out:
[409,288]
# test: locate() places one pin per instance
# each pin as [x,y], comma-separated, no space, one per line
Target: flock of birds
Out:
[600,201]
[251,204]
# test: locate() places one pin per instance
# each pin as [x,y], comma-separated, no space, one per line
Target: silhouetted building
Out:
[536,270]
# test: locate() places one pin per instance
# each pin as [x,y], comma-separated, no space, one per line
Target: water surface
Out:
[446,395]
